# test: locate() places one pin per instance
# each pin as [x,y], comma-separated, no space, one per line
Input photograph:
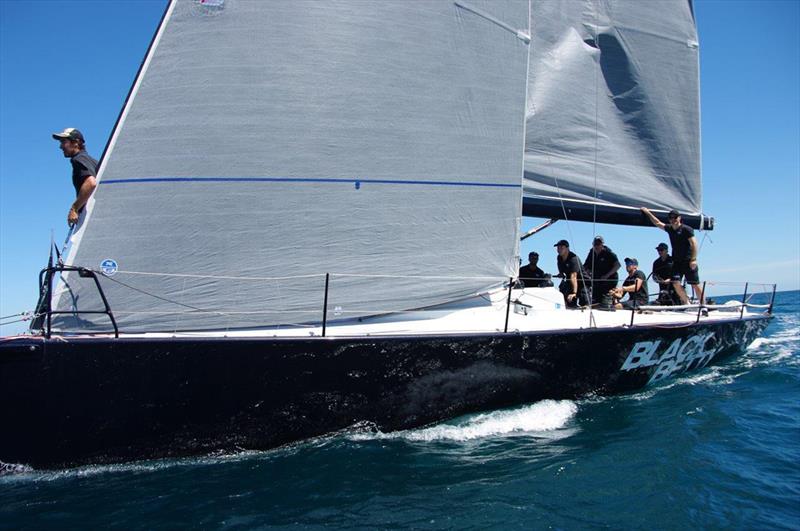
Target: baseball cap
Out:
[565,243]
[69,132]
[662,245]
[673,213]
[631,261]
[598,239]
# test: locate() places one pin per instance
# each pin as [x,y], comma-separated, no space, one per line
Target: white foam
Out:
[15,472]
[777,348]
[534,420]
[777,339]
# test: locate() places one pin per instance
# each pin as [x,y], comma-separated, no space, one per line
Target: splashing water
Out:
[533,420]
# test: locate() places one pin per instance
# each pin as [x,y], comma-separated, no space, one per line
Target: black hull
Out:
[81,401]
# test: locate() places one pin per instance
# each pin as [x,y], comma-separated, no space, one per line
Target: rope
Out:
[218,277]
[314,275]
[156,296]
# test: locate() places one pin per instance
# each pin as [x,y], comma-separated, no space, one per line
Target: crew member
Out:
[569,269]
[635,286]
[601,268]
[684,254]
[662,274]
[531,275]
[84,170]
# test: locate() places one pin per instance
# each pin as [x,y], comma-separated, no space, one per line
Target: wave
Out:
[11,472]
[540,419]
[777,347]
[545,419]
[777,339]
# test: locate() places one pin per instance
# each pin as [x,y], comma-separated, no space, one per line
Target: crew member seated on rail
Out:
[635,286]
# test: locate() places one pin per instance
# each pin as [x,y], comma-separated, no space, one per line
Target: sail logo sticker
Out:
[681,355]
[209,7]
[108,266]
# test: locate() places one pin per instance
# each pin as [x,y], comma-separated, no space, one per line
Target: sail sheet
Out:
[266,144]
[613,111]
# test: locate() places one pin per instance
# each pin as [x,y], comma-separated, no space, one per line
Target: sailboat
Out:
[308,219]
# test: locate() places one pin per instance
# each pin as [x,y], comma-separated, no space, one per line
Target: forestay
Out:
[613,111]
[282,139]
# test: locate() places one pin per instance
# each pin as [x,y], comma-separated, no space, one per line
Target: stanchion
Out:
[772,300]
[700,303]
[325,305]
[508,302]
[744,300]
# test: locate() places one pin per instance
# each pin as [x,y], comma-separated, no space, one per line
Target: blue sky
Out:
[71,64]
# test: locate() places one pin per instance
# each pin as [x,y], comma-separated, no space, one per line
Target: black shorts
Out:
[681,269]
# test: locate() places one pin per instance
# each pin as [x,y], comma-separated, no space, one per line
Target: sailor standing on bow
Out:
[84,170]
[684,254]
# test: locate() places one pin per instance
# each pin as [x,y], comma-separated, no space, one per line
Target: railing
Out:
[47,275]
[704,307]
[700,307]
[46,282]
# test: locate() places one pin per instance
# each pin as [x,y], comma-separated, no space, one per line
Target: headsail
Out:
[266,140]
[613,111]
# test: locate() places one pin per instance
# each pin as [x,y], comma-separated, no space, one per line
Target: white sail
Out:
[613,118]
[263,140]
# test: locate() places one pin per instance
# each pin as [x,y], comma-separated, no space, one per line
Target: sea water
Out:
[718,448]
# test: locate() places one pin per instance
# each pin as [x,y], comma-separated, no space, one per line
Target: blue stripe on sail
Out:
[357,182]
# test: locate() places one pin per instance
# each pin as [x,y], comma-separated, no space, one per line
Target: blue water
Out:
[718,448]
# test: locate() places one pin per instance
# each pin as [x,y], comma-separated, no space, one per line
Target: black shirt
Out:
[570,265]
[83,166]
[662,269]
[679,239]
[639,296]
[603,263]
[532,277]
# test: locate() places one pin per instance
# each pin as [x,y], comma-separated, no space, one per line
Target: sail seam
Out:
[305,180]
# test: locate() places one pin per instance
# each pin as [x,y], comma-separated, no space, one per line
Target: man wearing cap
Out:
[684,253]
[635,286]
[569,269]
[531,275]
[662,273]
[601,268]
[84,170]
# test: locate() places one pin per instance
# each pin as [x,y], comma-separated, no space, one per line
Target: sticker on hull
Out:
[679,356]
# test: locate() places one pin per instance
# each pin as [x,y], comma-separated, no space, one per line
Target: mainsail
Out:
[265,144]
[613,114]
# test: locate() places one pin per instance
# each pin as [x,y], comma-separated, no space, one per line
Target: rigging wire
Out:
[594,168]
[17,321]
[154,295]
[21,314]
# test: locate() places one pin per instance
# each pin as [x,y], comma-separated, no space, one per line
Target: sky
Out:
[71,64]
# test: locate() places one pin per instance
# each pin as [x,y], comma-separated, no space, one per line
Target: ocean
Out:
[717,448]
